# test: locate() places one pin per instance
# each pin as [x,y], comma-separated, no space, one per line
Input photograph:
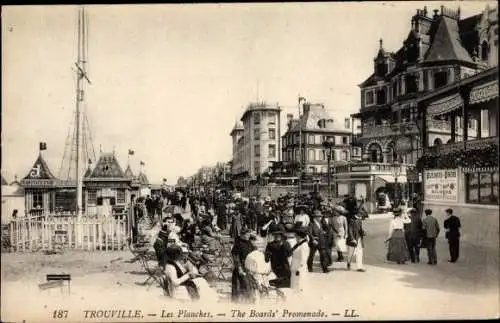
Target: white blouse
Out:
[397,223]
[304,218]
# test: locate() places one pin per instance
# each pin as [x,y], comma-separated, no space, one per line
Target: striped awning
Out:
[446,105]
[484,92]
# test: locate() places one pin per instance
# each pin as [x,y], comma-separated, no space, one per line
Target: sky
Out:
[169,81]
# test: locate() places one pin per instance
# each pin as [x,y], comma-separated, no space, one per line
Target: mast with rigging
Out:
[81,81]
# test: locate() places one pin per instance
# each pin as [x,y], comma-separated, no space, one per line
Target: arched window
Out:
[438,142]
[484,50]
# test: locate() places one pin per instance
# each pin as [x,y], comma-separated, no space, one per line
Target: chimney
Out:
[289,120]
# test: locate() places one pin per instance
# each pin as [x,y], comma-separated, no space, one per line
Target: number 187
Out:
[60,314]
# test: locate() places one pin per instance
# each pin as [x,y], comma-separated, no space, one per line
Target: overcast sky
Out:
[169,81]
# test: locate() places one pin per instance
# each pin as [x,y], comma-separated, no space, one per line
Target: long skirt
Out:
[398,250]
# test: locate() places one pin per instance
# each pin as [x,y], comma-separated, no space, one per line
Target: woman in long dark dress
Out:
[277,252]
[398,249]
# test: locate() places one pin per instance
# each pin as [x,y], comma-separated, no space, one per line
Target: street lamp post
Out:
[397,171]
[301,99]
[328,144]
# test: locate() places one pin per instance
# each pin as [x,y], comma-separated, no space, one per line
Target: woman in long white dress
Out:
[258,268]
[298,267]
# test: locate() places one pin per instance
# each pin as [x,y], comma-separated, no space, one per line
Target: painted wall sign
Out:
[441,185]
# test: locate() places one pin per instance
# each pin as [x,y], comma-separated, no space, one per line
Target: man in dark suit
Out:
[328,225]
[431,227]
[452,226]
[413,235]
[317,242]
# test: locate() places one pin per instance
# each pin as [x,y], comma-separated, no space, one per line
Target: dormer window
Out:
[322,123]
[484,50]
[381,69]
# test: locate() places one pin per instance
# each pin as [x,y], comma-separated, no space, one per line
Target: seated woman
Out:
[208,233]
[184,281]
[188,232]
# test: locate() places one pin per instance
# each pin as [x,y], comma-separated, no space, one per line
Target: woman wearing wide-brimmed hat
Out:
[340,223]
[278,252]
[398,250]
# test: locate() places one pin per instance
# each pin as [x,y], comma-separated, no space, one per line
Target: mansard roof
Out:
[446,44]
[107,167]
[309,120]
[40,170]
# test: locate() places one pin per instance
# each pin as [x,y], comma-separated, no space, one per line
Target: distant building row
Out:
[258,144]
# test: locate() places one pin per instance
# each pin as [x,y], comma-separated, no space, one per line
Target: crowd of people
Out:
[409,232]
[274,242]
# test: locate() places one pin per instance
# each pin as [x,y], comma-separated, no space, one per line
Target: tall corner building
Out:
[256,142]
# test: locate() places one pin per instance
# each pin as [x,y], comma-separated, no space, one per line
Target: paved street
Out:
[466,289]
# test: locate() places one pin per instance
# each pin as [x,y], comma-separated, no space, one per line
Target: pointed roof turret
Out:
[446,44]
[381,51]
[143,179]
[40,170]
[107,167]
[129,173]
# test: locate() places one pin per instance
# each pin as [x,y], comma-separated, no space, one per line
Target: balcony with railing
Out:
[467,145]
[388,129]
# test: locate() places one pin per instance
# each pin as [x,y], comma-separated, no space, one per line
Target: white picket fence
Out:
[90,233]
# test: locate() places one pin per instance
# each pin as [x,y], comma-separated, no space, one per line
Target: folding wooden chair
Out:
[144,256]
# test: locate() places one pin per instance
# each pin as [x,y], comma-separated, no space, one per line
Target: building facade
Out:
[463,174]
[316,125]
[104,184]
[440,49]
[261,137]
[237,164]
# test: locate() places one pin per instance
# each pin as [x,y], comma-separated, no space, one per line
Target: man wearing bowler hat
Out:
[317,242]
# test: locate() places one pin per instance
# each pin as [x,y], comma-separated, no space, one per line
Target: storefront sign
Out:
[484,92]
[37,182]
[441,185]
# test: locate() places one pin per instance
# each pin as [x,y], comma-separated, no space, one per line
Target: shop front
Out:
[472,194]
